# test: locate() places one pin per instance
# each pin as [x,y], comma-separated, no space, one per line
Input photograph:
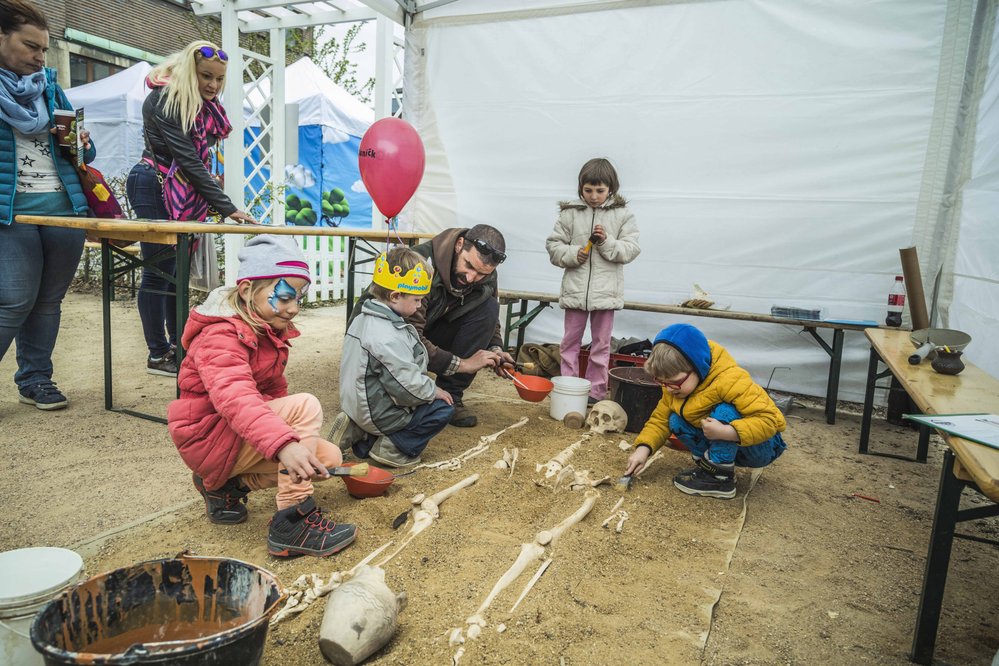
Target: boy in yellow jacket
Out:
[714,407]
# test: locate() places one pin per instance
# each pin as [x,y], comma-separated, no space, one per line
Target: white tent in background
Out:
[112,109]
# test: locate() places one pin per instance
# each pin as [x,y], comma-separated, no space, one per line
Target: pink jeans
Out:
[601,325]
[305,416]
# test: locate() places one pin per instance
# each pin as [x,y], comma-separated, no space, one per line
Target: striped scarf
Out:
[182,201]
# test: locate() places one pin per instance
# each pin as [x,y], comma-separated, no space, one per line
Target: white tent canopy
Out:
[320,101]
[777,152]
[112,110]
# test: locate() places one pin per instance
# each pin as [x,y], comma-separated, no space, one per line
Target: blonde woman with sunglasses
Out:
[182,120]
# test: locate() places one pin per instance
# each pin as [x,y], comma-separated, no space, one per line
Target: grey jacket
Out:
[383,370]
[597,283]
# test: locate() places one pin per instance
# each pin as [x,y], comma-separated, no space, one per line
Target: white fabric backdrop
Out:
[975,308]
[772,152]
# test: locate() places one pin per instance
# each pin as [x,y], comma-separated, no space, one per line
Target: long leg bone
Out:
[546,537]
[530,583]
[489,439]
[424,516]
[529,552]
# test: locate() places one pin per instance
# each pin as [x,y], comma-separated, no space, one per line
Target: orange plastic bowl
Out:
[537,389]
[374,484]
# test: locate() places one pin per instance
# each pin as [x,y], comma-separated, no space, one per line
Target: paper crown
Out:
[416,281]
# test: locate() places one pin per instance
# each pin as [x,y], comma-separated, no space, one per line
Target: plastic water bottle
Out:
[896,300]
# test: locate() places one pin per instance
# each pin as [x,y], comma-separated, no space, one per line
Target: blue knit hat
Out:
[689,341]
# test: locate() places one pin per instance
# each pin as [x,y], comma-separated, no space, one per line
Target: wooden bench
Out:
[967,465]
[520,314]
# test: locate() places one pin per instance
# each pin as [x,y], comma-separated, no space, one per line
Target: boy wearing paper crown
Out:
[391,407]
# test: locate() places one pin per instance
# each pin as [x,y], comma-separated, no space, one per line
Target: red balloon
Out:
[391,161]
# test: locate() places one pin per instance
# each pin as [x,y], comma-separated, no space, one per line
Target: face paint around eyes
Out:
[283,292]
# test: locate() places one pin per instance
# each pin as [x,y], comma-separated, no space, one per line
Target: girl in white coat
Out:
[592,240]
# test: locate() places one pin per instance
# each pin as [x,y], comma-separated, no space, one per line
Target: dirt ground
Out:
[795,570]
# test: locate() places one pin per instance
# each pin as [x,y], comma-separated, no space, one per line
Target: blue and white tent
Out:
[331,123]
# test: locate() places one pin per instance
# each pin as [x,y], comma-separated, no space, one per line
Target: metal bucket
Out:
[637,393]
[189,611]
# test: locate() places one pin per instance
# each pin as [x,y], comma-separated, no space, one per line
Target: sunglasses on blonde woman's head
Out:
[209,52]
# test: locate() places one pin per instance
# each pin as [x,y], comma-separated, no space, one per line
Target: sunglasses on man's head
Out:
[487,250]
[209,52]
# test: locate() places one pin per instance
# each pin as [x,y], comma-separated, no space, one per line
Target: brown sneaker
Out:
[463,416]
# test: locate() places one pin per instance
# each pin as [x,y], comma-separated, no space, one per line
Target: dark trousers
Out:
[157,301]
[427,421]
[463,337]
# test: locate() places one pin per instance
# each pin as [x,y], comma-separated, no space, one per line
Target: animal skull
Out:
[607,416]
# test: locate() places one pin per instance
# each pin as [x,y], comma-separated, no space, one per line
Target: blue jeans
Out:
[157,299]
[427,420]
[722,452]
[36,266]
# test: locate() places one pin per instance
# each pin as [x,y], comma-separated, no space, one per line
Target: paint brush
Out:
[360,469]
[624,483]
[589,243]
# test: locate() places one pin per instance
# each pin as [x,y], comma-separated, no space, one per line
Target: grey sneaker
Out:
[165,365]
[344,432]
[384,451]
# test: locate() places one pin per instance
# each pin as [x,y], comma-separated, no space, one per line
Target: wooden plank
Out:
[162,229]
[970,392]
[693,312]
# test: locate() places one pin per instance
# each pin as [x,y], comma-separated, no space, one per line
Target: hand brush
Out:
[361,469]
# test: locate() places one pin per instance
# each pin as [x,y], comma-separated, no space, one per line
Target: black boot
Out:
[225,505]
[463,416]
[707,480]
[302,530]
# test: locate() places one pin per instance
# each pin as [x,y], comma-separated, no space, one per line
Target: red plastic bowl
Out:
[374,484]
[537,389]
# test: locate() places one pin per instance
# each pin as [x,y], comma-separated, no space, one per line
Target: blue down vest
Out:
[56,99]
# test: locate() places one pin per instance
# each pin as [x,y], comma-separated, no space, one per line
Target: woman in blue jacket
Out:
[36,263]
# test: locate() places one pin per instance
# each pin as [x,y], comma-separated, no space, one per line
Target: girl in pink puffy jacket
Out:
[234,423]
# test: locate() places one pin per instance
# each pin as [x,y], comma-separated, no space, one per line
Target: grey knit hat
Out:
[267,256]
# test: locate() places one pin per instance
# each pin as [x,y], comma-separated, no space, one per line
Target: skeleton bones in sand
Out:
[529,552]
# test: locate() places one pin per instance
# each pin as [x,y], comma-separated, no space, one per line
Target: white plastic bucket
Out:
[569,395]
[29,579]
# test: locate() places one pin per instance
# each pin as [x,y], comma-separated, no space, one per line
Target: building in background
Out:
[92,39]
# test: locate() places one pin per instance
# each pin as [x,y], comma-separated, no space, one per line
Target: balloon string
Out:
[393,225]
